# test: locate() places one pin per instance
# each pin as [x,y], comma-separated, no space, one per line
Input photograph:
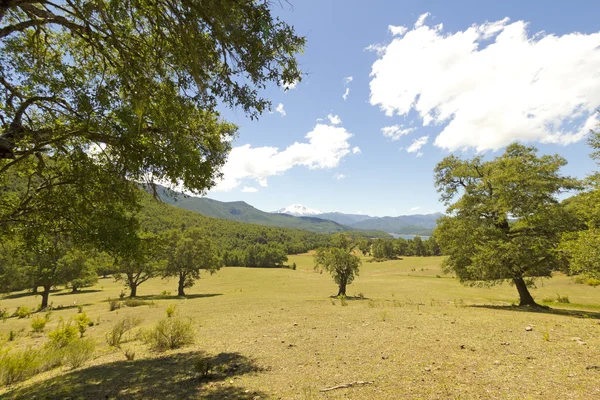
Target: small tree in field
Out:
[504,219]
[339,262]
[139,262]
[187,253]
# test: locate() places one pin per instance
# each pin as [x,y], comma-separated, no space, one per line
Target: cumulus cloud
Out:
[346,93]
[280,109]
[348,79]
[395,132]
[356,150]
[325,147]
[338,176]
[334,119]
[397,30]
[249,189]
[491,84]
[417,144]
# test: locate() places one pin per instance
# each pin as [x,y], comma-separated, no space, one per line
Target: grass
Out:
[415,336]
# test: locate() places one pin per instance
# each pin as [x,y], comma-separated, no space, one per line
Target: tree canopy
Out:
[504,219]
[339,261]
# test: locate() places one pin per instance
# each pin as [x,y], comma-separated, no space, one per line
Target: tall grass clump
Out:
[116,335]
[23,312]
[19,365]
[170,333]
[79,352]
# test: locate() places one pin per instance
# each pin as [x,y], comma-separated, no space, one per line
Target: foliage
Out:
[170,333]
[82,321]
[187,252]
[506,221]
[17,366]
[136,303]
[170,311]
[140,262]
[114,304]
[383,249]
[339,262]
[38,324]
[115,336]
[23,312]
[63,335]
[79,352]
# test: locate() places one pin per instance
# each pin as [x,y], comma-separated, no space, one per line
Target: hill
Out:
[419,224]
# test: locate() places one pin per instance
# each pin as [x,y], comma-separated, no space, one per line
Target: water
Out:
[407,237]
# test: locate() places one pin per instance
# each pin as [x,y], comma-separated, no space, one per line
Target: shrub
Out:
[114,304]
[294,266]
[79,308]
[170,333]
[12,335]
[18,366]
[4,314]
[63,335]
[114,337]
[171,310]
[82,321]
[78,352]
[136,303]
[202,367]
[361,295]
[129,354]
[562,299]
[122,294]
[343,301]
[23,312]
[38,324]
[593,282]
[165,293]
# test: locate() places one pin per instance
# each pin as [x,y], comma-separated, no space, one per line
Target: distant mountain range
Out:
[417,224]
[300,217]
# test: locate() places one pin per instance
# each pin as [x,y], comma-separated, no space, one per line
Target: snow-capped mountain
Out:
[298,210]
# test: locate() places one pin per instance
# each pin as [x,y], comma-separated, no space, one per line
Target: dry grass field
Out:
[277,334]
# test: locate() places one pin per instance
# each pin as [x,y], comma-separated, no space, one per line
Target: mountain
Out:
[298,210]
[418,224]
[344,219]
[243,212]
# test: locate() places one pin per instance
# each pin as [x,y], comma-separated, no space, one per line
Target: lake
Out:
[407,237]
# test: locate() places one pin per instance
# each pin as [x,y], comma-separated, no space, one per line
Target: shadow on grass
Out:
[27,294]
[80,291]
[175,297]
[543,310]
[350,298]
[169,377]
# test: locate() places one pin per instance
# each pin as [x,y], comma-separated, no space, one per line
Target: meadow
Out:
[406,329]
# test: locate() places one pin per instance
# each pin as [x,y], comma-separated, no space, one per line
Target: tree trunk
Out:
[34,291]
[181,286]
[133,291]
[342,291]
[45,296]
[74,290]
[525,298]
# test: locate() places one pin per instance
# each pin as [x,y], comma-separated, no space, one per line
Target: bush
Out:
[129,354]
[562,299]
[114,337]
[82,321]
[79,308]
[20,365]
[23,312]
[114,304]
[63,335]
[38,324]
[171,310]
[592,282]
[79,352]
[136,303]
[294,266]
[4,314]
[170,333]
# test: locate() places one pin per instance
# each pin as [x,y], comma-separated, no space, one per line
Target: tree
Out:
[186,254]
[82,268]
[364,245]
[139,262]
[420,249]
[339,262]
[504,220]
[383,249]
[582,248]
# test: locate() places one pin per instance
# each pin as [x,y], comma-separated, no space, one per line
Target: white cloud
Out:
[417,144]
[397,30]
[346,93]
[356,150]
[348,79]
[338,176]
[248,189]
[280,109]
[334,119]
[420,154]
[288,86]
[415,208]
[421,21]
[325,148]
[395,132]
[491,84]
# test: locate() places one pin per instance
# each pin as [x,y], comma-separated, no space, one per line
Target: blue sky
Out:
[470,86]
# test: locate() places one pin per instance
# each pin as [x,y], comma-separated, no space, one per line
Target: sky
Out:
[390,88]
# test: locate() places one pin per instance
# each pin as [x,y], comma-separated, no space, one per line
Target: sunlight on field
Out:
[406,326]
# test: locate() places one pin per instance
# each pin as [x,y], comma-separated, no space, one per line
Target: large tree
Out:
[582,247]
[339,261]
[187,253]
[504,220]
[141,260]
